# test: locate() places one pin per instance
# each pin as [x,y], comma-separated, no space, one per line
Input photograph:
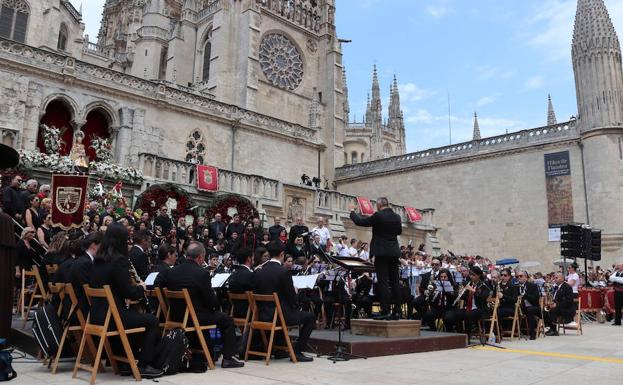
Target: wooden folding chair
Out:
[51,269]
[577,318]
[155,294]
[240,322]
[196,327]
[57,289]
[278,323]
[515,322]
[37,292]
[540,324]
[494,324]
[74,309]
[102,332]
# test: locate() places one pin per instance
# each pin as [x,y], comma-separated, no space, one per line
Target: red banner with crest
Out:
[69,194]
[365,206]
[207,178]
[413,214]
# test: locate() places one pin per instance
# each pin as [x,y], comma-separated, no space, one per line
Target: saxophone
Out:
[463,290]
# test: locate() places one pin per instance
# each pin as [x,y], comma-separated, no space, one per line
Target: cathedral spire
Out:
[551,115]
[375,118]
[346,105]
[599,87]
[476,127]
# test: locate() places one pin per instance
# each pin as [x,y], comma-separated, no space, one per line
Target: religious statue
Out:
[78,153]
[295,209]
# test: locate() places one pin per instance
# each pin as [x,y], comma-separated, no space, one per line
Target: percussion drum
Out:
[591,299]
[609,300]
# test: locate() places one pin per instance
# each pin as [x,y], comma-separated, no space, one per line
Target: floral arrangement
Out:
[102,147]
[64,164]
[157,196]
[222,205]
[51,139]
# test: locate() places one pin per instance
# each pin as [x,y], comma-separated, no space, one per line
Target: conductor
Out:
[386,226]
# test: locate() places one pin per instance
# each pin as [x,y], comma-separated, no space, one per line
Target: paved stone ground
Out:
[595,358]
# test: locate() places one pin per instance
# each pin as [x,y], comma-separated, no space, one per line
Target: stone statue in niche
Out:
[78,153]
[296,209]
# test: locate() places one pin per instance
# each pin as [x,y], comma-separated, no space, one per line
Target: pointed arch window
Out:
[14,19]
[207,54]
[353,157]
[387,150]
[63,36]
[195,148]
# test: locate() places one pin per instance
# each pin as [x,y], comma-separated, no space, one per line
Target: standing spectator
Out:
[12,201]
[31,214]
[275,229]
[283,237]
[45,232]
[27,257]
[217,226]
[265,239]
[129,215]
[163,220]
[45,207]
[93,210]
[235,226]
[257,228]
[298,229]
[249,238]
[364,251]
[200,226]
[44,191]
[32,188]
[323,231]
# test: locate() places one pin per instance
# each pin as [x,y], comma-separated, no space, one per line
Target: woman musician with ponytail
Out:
[440,296]
[474,296]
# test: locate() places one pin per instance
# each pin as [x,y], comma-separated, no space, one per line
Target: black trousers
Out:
[454,317]
[552,315]
[132,319]
[388,276]
[420,305]
[618,305]
[330,308]
[226,326]
[432,315]
[532,313]
[306,322]
[364,302]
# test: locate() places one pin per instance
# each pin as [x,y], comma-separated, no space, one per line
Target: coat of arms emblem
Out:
[68,199]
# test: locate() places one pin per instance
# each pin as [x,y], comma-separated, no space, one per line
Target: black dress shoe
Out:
[149,372]
[229,363]
[616,324]
[300,357]
[532,337]
[552,333]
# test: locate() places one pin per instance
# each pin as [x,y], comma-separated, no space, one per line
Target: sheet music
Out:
[219,280]
[305,281]
[151,279]
[447,286]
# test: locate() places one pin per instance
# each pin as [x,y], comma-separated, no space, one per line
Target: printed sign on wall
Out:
[559,189]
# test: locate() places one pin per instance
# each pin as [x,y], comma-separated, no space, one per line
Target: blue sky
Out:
[497,57]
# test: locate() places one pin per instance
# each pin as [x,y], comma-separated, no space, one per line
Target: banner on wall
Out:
[365,206]
[207,178]
[413,214]
[558,186]
[69,193]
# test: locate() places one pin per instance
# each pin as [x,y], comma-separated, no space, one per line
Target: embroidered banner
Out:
[559,189]
[365,206]
[207,178]
[413,214]
[69,193]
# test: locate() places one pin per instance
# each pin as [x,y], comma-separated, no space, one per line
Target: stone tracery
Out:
[281,61]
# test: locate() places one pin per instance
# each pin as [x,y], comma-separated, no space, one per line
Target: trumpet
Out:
[461,293]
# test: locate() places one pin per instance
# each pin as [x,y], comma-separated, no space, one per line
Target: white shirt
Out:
[90,256]
[576,278]
[365,255]
[323,232]
[342,250]
[352,252]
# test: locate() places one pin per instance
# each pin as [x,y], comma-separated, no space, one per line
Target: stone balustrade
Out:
[506,142]
[305,13]
[153,31]
[208,11]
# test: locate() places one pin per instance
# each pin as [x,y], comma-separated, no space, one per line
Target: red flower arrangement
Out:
[244,207]
[156,196]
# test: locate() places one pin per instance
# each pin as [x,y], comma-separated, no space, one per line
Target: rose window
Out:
[281,61]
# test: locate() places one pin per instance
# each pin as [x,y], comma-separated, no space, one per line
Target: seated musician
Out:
[80,272]
[474,297]
[439,298]
[419,303]
[337,296]
[197,280]
[309,299]
[242,280]
[139,253]
[363,298]
[530,295]
[111,267]
[274,278]
[562,304]
[298,249]
[167,257]
[507,294]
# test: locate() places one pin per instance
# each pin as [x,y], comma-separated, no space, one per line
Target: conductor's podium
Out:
[386,329]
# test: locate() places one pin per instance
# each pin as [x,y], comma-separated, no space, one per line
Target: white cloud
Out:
[487,72]
[410,92]
[486,100]
[420,116]
[438,8]
[535,82]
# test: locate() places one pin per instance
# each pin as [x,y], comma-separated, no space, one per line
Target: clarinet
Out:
[135,277]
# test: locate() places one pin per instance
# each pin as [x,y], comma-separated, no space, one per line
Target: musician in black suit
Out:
[274,278]
[80,272]
[386,226]
[507,294]
[241,280]
[421,303]
[167,258]
[530,298]
[474,298]
[111,267]
[562,305]
[138,253]
[197,280]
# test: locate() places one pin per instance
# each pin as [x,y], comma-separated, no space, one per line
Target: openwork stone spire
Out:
[596,54]
[476,128]
[551,115]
